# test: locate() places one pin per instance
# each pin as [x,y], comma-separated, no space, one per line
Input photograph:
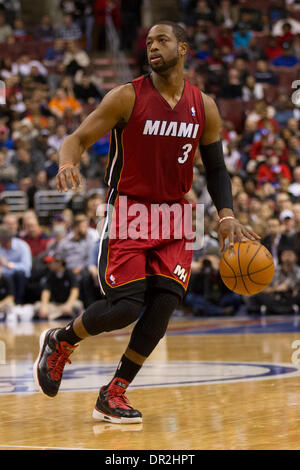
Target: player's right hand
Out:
[68,178]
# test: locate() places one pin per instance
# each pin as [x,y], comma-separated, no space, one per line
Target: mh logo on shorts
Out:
[180,272]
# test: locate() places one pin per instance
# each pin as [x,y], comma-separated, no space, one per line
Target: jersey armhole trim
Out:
[203,108]
[133,107]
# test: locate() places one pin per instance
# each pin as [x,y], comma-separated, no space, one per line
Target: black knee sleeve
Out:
[104,316]
[153,324]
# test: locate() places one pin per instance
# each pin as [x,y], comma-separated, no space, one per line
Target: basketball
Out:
[247,268]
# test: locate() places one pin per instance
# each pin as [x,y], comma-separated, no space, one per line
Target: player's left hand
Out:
[232,230]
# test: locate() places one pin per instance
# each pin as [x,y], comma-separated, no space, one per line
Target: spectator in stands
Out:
[8,172]
[288,223]
[90,281]
[6,296]
[90,167]
[277,28]
[254,52]
[92,204]
[6,67]
[15,259]
[24,64]
[282,202]
[286,35]
[51,165]
[232,158]
[293,126]
[4,208]
[61,101]
[58,232]
[40,183]
[241,38]
[274,239]
[284,109]
[28,162]
[19,32]
[203,11]
[44,32]
[54,54]
[241,202]
[131,20]
[6,32]
[86,20]
[75,58]
[76,248]
[60,293]
[69,30]
[233,88]
[55,140]
[272,49]
[286,59]
[207,294]
[34,236]
[254,209]
[294,187]
[5,141]
[40,142]
[11,221]
[263,74]
[227,15]
[85,90]
[252,90]
[283,292]
[201,33]
[272,170]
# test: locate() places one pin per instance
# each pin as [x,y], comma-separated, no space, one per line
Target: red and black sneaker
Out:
[113,406]
[49,366]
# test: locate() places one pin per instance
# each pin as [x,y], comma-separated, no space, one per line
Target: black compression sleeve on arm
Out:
[217,176]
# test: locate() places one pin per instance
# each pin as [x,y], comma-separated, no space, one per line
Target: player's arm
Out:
[217,177]
[116,107]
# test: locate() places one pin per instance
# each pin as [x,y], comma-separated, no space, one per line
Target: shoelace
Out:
[58,361]
[117,397]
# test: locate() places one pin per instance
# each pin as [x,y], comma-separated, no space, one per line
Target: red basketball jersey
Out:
[152,157]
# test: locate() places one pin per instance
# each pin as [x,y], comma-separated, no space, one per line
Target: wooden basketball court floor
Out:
[214,383]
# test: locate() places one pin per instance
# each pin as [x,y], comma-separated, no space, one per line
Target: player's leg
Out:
[122,277]
[57,344]
[147,333]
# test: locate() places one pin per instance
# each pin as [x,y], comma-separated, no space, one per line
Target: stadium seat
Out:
[271,93]
[287,76]
[17,200]
[232,110]
[47,203]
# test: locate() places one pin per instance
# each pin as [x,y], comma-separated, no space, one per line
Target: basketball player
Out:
[156,122]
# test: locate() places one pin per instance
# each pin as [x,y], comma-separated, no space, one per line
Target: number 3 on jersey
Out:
[187,148]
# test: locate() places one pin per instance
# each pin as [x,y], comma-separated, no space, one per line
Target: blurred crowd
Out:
[246,55]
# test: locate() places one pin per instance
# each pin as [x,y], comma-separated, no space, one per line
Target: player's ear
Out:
[183,48]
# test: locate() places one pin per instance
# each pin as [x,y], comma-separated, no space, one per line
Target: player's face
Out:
[162,48]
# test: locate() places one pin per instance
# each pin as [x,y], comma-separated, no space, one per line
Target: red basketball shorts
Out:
[144,244]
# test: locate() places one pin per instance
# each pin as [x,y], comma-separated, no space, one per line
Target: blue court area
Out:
[239,325]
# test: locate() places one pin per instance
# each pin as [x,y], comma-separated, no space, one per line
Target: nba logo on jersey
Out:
[193,111]
[112,279]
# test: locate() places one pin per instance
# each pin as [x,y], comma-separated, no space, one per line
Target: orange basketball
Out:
[248,268]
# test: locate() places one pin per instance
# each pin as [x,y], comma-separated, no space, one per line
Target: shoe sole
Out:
[36,364]
[100,416]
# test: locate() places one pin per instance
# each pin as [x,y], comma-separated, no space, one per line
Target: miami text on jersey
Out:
[172,128]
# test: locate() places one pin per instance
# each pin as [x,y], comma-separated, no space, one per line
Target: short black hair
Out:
[178,30]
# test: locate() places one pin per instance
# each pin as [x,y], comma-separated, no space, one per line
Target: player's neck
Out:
[171,83]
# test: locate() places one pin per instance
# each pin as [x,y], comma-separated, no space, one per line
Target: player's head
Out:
[166,46]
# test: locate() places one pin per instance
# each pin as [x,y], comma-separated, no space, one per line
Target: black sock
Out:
[127,369]
[67,334]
